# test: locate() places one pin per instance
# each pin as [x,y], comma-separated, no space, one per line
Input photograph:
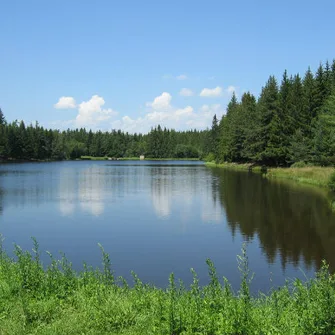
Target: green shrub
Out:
[331,182]
[210,157]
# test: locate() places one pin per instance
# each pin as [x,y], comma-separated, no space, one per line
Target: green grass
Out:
[92,158]
[236,166]
[313,175]
[171,159]
[56,300]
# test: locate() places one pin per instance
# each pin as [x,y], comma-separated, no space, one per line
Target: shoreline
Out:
[308,175]
[91,158]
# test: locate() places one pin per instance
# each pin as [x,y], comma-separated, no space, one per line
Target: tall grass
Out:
[56,300]
[313,175]
[236,166]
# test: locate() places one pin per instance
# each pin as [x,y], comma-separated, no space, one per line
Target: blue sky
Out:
[124,64]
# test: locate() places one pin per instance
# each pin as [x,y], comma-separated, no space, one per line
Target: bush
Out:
[331,183]
[210,157]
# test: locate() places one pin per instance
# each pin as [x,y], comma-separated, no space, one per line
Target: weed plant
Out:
[57,300]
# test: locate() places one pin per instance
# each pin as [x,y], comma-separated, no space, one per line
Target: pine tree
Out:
[2,118]
[298,116]
[320,90]
[226,130]
[328,80]
[250,121]
[309,102]
[286,118]
[333,76]
[271,150]
[215,136]
[324,134]
[299,149]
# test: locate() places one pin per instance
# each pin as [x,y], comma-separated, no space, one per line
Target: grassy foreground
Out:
[56,300]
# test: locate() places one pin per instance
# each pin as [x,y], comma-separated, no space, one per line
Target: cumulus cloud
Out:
[91,112]
[65,103]
[181,77]
[161,102]
[211,92]
[186,92]
[162,112]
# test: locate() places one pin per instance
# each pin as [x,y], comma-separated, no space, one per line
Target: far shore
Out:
[92,158]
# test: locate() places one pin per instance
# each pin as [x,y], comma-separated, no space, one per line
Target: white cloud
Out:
[186,92]
[187,111]
[65,103]
[164,113]
[211,92]
[181,77]
[161,102]
[90,112]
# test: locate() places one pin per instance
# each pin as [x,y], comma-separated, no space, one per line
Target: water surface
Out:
[160,217]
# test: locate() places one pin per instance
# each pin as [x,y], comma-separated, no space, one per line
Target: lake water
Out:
[160,217]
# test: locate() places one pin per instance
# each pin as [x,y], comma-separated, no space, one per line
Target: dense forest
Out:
[18,141]
[288,123]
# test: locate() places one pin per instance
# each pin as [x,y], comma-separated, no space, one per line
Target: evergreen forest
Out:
[292,121]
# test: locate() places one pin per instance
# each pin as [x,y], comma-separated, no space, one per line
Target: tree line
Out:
[33,142]
[293,122]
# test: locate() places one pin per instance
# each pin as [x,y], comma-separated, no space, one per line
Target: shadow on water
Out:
[1,198]
[293,221]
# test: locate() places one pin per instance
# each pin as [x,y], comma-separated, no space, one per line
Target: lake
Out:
[158,217]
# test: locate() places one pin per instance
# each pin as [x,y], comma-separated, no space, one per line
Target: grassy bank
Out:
[312,175]
[235,166]
[57,300]
[92,158]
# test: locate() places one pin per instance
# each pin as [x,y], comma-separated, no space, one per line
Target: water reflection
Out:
[91,191]
[21,184]
[67,191]
[1,197]
[291,221]
[160,218]
[161,190]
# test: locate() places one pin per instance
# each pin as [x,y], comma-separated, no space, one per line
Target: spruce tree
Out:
[2,118]
[251,124]
[320,90]
[271,149]
[309,102]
